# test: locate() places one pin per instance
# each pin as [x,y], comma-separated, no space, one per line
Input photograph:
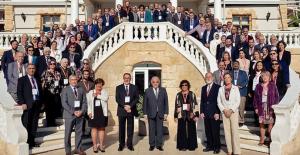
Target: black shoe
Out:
[216,151]
[182,149]
[160,148]
[151,148]
[120,148]
[207,149]
[241,124]
[131,148]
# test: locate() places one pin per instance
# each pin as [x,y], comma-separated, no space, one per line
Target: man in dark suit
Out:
[42,62]
[179,17]
[210,112]
[191,23]
[29,94]
[249,49]
[91,30]
[208,34]
[240,79]
[8,57]
[156,109]
[261,44]
[229,48]
[74,103]
[235,38]
[126,97]
[108,21]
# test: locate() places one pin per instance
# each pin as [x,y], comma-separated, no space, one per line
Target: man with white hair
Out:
[42,61]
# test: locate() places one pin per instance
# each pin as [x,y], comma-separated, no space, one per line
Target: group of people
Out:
[48,75]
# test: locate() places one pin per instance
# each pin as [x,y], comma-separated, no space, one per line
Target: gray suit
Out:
[13,76]
[176,19]
[68,102]
[155,108]
[217,76]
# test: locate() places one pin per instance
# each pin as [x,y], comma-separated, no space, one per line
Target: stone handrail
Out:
[287,116]
[12,132]
[292,38]
[6,37]
[188,46]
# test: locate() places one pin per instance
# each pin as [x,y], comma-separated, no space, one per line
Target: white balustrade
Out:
[292,38]
[6,37]
[12,131]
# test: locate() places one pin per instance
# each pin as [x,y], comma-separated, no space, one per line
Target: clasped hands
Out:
[227,112]
[216,116]
[78,113]
[127,108]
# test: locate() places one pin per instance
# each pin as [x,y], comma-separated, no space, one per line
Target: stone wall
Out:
[293,147]
[295,57]
[9,18]
[174,69]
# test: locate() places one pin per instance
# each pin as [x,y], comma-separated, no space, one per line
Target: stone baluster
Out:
[6,42]
[284,38]
[156,34]
[121,34]
[149,33]
[181,43]
[1,41]
[197,54]
[110,42]
[105,46]
[279,37]
[297,42]
[101,49]
[192,51]
[176,38]
[162,33]
[136,33]
[142,33]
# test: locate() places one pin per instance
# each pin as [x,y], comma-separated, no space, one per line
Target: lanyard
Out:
[66,74]
[87,86]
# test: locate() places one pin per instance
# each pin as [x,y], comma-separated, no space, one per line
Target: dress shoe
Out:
[207,149]
[182,149]
[131,148]
[151,148]
[216,151]
[80,152]
[160,148]
[120,148]
[68,154]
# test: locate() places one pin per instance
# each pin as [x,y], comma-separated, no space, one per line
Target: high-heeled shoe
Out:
[101,148]
[95,149]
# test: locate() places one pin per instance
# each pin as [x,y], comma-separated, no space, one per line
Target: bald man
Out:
[156,109]
[91,29]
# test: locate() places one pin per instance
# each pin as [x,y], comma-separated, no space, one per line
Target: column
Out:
[217,9]
[74,10]
[174,3]
[119,2]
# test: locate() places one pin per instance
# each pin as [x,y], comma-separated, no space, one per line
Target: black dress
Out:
[99,120]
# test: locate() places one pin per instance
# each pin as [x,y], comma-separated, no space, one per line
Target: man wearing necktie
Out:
[240,79]
[73,100]
[126,97]
[156,109]
[29,96]
[210,112]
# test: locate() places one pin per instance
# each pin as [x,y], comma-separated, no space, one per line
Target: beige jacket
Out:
[103,98]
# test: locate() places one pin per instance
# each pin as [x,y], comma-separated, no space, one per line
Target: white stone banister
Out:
[287,116]
[188,46]
[292,38]
[12,132]
[6,37]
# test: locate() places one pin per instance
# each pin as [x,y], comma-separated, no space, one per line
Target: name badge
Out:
[20,75]
[72,64]
[142,19]
[127,99]
[128,17]
[179,22]
[233,44]
[107,24]
[76,104]
[34,91]
[159,17]
[56,83]
[235,82]
[66,81]
[191,27]
[97,103]
[184,107]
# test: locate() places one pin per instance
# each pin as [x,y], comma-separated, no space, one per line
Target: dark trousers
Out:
[69,124]
[52,108]
[30,119]
[122,128]
[156,131]
[186,134]
[212,132]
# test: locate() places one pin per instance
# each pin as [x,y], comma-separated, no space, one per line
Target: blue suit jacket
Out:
[93,33]
[7,58]
[242,81]
[111,23]
[209,103]
[211,36]
[187,24]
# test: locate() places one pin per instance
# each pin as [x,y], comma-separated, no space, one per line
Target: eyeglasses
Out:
[72,47]
[52,63]
[273,64]
[272,53]
[184,85]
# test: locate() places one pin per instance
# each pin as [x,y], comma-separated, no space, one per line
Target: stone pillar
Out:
[217,9]
[119,2]
[74,10]
[174,3]
[9,18]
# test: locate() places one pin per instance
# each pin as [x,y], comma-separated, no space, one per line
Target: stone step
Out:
[244,127]
[56,145]
[51,129]
[51,137]
[42,122]
[245,135]
[249,145]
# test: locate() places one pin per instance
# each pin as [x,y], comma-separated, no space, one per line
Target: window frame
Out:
[240,20]
[51,20]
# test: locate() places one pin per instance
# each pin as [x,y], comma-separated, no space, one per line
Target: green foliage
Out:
[139,106]
[295,20]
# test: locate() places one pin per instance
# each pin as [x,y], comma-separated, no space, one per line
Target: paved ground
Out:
[141,147]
